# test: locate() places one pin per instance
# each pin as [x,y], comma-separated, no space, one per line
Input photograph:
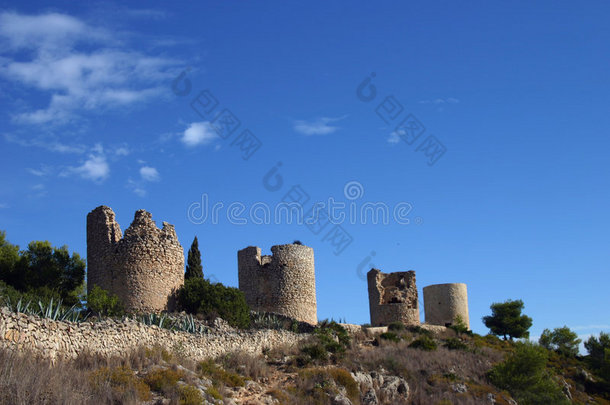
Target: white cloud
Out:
[139,192]
[95,168]
[44,170]
[45,30]
[136,187]
[319,126]
[394,138]
[3,205]
[47,56]
[49,143]
[121,151]
[149,173]
[198,133]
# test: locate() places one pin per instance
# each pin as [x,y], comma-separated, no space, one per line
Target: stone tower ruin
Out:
[143,268]
[283,283]
[393,297]
[443,303]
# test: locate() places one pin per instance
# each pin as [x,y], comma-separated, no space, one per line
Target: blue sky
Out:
[483,126]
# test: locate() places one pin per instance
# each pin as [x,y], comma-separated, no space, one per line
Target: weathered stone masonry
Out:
[144,267]
[54,339]
[393,297]
[283,283]
[443,303]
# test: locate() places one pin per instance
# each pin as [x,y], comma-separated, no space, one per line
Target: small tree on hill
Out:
[194,269]
[599,355]
[562,340]
[506,320]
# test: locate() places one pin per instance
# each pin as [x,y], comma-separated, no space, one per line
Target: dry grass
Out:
[89,379]
[27,380]
[246,364]
[430,374]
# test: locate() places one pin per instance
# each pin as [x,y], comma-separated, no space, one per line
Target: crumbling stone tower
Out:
[144,267]
[443,303]
[393,297]
[283,283]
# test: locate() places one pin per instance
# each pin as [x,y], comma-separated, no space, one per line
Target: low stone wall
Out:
[54,339]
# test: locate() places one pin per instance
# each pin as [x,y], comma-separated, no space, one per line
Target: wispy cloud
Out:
[149,173]
[46,142]
[38,190]
[198,133]
[43,52]
[121,151]
[394,138]
[591,327]
[43,171]
[319,126]
[438,101]
[3,205]
[136,187]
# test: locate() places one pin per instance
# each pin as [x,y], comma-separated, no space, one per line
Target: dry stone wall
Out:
[393,297]
[283,283]
[144,267]
[54,339]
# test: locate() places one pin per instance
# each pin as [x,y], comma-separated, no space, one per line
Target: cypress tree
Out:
[194,269]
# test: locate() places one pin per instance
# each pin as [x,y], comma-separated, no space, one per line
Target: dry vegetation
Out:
[455,372]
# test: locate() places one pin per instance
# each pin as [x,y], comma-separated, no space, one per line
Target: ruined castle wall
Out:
[55,339]
[256,279]
[393,298]
[443,303]
[103,233]
[283,283]
[144,268]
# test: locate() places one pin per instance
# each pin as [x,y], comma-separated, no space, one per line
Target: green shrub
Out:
[391,336]
[331,338]
[190,395]
[163,379]
[396,326]
[455,344]
[315,351]
[217,374]
[525,376]
[103,303]
[424,343]
[213,392]
[459,325]
[318,383]
[122,381]
[199,296]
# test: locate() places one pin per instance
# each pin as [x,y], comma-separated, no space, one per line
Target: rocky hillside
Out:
[334,364]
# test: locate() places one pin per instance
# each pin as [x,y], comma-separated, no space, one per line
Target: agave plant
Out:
[188,324]
[267,321]
[154,319]
[19,306]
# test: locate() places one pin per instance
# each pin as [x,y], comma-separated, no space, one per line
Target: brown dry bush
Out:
[249,365]
[430,374]
[25,379]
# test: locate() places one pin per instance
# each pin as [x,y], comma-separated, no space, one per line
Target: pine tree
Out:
[194,269]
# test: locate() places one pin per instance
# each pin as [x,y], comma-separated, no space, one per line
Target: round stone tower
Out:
[283,283]
[443,303]
[144,267]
